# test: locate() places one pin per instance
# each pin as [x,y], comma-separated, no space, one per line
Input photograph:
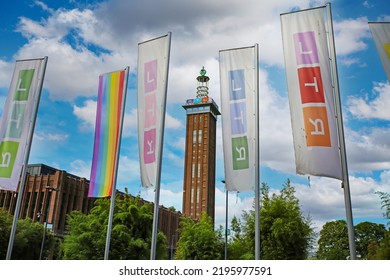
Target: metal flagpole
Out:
[113,193]
[26,156]
[343,155]
[158,179]
[109,228]
[257,158]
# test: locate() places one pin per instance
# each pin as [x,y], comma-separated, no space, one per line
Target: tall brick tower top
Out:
[199,166]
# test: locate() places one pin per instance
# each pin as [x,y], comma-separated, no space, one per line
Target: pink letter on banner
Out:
[150,76]
[306,48]
[150,146]
[150,110]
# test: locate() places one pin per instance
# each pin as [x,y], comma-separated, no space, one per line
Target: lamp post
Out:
[49,189]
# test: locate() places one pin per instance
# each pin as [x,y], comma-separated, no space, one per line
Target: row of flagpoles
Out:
[315,106]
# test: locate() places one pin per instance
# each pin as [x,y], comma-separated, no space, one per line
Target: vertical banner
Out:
[239,79]
[310,93]
[153,60]
[381,33]
[108,131]
[18,115]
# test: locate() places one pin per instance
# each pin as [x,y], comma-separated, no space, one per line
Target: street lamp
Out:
[49,189]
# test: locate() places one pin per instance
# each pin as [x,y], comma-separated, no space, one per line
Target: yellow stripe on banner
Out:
[386,46]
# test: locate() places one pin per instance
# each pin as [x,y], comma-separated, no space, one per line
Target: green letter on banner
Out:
[23,85]
[240,153]
[8,152]
[16,122]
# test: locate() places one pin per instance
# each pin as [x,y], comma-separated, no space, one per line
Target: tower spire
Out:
[203,84]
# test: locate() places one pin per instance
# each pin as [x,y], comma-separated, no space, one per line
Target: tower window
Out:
[199,136]
[194,137]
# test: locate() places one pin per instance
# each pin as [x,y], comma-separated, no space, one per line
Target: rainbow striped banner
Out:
[108,131]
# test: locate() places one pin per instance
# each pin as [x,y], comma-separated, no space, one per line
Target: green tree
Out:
[385,198]
[366,233]
[333,242]
[240,245]
[199,240]
[284,232]
[130,237]
[28,238]
[383,250]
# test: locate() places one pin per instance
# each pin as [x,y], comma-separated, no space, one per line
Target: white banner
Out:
[153,62]
[310,93]
[18,114]
[239,80]
[381,33]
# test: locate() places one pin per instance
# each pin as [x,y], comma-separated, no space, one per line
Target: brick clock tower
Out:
[199,166]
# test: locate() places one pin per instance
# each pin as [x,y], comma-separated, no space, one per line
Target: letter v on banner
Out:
[314,99]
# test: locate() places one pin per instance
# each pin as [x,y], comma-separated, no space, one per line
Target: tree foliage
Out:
[28,238]
[130,237]
[385,201]
[367,233]
[199,240]
[333,243]
[284,232]
[371,241]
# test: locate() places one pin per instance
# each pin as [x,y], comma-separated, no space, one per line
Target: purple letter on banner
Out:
[237,84]
[150,76]
[305,48]
[150,146]
[238,117]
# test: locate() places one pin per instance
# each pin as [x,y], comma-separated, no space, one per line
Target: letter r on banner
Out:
[150,146]
[8,152]
[316,126]
[240,153]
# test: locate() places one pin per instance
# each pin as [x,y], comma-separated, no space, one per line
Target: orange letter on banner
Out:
[316,126]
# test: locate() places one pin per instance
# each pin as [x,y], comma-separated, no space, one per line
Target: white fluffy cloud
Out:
[373,106]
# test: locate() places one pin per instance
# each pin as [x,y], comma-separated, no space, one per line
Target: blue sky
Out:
[86,38]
